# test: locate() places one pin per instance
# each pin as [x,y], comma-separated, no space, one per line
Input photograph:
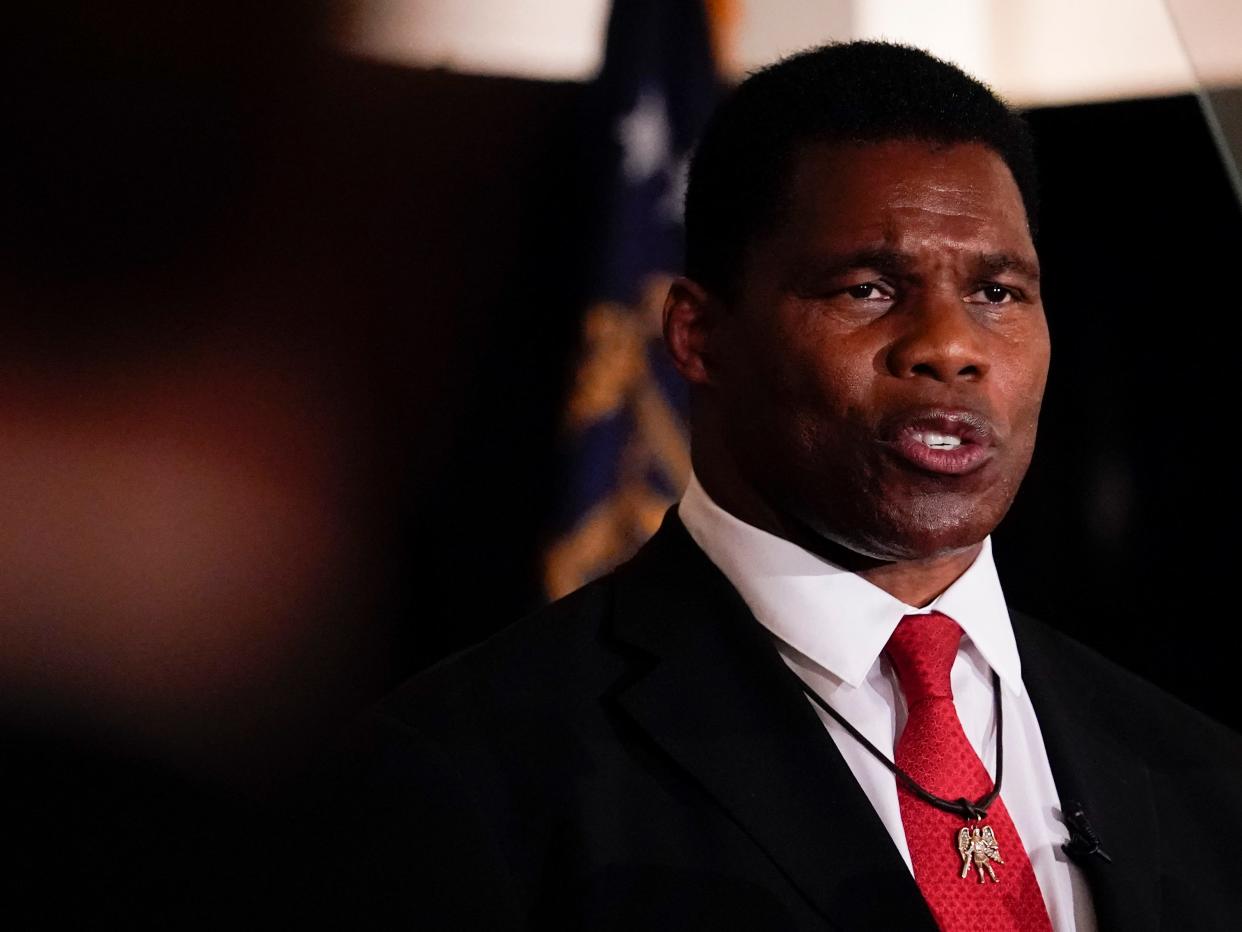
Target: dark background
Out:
[354,289]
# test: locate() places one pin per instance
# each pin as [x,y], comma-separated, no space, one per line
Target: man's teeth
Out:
[938,441]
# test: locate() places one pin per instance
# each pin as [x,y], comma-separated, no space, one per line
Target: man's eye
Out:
[992,294]
[868,291]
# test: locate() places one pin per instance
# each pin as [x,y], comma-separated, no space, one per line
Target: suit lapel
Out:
[719,701]
[1111,782]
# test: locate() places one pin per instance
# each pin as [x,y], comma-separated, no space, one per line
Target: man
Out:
[790,710]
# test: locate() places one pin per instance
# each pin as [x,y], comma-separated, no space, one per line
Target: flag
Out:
[626,420]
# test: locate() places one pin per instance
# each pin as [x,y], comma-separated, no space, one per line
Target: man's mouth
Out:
[937,440]
[942,441]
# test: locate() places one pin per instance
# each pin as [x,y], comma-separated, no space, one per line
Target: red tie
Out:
[933,750]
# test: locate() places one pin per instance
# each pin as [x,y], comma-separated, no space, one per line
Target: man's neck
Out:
[915,582]
[918,583]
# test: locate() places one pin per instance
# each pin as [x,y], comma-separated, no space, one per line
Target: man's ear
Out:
[690,317]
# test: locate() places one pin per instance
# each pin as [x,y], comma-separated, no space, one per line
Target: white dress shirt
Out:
[831,627]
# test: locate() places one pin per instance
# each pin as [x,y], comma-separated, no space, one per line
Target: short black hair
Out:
[855,92]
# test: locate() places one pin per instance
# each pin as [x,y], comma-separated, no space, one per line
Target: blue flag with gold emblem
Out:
[625,425]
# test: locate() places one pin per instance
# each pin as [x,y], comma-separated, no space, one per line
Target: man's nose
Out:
[940,339]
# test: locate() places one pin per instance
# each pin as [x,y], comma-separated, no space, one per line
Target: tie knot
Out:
[922,651]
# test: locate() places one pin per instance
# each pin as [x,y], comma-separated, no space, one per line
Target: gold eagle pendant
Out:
[977,846]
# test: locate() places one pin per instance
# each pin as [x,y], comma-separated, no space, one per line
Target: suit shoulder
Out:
[497,732]
[1132,708]
[555,650]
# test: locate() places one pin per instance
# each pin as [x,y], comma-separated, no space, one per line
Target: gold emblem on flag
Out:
[614,375]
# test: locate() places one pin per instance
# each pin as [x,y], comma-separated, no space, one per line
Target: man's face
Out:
[880,372]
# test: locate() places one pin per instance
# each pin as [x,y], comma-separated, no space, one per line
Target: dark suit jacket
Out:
[637,756]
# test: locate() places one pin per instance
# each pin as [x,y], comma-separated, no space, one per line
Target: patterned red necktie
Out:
[934,752]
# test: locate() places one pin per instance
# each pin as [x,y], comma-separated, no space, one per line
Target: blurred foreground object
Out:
[213,384]
[220,399]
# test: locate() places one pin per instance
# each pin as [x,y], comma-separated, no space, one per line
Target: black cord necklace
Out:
[962,806]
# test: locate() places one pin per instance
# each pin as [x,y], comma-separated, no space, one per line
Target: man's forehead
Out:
[892,193]
[905,170]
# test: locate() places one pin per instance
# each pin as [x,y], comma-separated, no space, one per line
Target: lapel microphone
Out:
[1083,841]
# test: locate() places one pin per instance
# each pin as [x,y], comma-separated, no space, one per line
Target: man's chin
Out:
[921,547]
[895,541]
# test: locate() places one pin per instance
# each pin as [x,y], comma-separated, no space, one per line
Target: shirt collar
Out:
[835,617]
